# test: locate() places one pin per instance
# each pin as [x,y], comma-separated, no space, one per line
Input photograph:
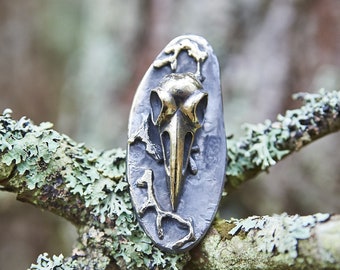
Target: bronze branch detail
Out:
[146,181]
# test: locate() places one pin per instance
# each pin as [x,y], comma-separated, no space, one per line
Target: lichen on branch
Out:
[271,242]
[88,188]
[266,143]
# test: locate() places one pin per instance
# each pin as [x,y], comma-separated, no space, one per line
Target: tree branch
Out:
[265,144]
[277,242]
[88,188]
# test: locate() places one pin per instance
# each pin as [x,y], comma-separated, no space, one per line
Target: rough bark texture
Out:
[88,188]
[277,242]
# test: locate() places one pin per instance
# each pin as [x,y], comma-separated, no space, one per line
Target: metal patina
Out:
[176,145]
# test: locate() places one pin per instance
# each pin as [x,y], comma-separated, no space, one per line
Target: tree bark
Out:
[277,242]
[88,188]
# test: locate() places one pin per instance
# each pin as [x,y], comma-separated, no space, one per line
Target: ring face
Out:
[176,145]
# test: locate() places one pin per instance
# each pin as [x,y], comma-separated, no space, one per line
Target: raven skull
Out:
[178,107]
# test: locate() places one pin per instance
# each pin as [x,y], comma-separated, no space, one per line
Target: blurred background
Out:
[78,63]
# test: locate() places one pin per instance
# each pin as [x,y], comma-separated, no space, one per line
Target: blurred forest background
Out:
[78,63]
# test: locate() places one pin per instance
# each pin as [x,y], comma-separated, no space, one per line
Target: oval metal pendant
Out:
[176,145]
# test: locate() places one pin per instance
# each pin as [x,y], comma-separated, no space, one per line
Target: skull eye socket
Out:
[195,106]
[162,106]
[156,106]
[200,108]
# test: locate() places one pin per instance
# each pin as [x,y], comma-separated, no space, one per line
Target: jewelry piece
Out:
[176,145]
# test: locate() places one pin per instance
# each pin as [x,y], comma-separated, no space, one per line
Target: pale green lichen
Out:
[236,253]
[279,232]
[28,146]
[268,243]
[44,262]
[328,238]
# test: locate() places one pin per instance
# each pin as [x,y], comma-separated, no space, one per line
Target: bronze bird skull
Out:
[178,106]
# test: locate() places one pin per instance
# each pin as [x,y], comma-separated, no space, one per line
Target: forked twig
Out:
[146,181]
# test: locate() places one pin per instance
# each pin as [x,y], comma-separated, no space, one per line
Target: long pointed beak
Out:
[178,154]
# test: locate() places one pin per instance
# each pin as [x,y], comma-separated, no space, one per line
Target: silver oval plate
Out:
[176,145]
